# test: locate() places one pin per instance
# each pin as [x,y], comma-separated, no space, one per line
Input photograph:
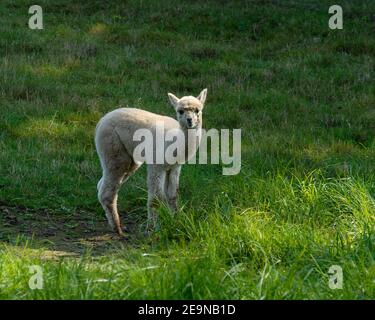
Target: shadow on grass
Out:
[59,235]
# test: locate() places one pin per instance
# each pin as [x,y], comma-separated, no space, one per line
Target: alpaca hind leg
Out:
[99,183]
[109,185]
[108,194]
[108,198]
[117,165]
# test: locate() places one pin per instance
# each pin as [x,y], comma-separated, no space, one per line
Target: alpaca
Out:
[114,140]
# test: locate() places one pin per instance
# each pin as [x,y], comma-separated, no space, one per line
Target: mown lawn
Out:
[303,95]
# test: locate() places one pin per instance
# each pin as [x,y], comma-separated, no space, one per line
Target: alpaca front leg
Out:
[172,187]
[155,182]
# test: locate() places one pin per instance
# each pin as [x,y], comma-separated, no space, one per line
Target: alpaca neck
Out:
[192,140]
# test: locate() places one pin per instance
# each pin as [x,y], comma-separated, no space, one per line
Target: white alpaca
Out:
[115,146]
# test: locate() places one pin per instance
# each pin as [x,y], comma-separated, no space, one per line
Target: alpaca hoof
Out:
[124,236]
[152,228]
[149,231]
[119,231]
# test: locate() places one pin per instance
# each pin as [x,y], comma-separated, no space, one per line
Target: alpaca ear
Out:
[202,96]
[173,99]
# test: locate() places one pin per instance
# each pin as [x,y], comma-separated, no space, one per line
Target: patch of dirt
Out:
[64,234]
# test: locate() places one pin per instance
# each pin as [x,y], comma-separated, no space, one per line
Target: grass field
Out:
[303,95]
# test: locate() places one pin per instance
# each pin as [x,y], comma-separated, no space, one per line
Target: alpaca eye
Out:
[196,111]
[181,112]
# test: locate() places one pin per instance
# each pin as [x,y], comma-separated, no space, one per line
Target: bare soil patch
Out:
[63,234]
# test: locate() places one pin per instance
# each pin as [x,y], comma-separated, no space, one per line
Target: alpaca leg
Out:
[99,183]
[130,171]
[172,187]
[155,183]
[117,166]
[109,188]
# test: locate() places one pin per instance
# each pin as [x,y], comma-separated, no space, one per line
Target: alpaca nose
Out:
[189,121]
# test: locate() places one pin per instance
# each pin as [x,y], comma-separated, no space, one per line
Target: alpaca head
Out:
[189,109]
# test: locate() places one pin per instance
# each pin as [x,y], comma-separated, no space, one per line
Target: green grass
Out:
[303,95]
